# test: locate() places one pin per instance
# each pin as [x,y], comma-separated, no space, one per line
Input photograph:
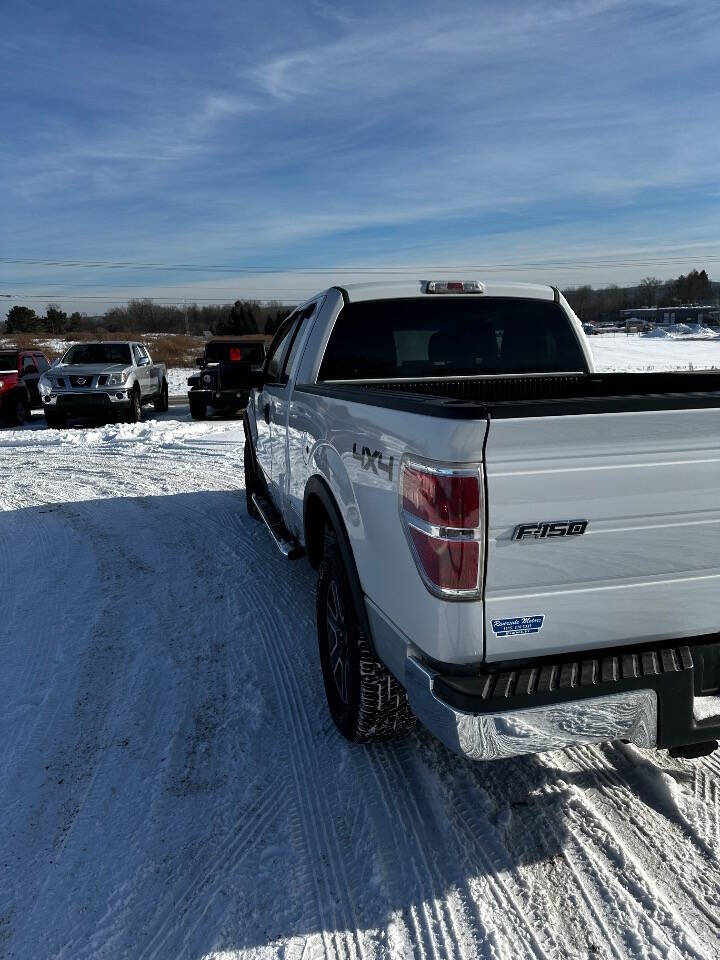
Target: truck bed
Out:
[535,395]
[636,456]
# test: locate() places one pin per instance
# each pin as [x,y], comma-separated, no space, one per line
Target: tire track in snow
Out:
[644,874]
[427,913]
[314,810]
[588,867]
[233,847]
[341,936]
[476,842]
[413,867]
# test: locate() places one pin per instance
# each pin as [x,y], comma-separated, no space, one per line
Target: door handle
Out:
[266,411]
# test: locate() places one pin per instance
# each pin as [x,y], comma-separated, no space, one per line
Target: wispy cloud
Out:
[289,132]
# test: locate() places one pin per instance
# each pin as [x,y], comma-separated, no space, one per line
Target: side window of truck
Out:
[278,349]
[303,320]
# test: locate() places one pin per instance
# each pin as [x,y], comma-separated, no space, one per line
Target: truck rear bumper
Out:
[221,398]
[652,697]
[630,716]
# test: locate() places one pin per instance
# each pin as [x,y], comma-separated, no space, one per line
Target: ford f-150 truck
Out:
[516,550]
[110,379]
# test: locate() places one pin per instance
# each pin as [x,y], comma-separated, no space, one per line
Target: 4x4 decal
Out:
[373,461]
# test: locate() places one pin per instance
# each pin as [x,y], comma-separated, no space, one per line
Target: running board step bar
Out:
[282,538]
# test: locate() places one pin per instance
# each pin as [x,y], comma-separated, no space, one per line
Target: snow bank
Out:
[678,331]
[167,433]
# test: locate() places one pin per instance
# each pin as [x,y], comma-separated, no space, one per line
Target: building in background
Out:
[706,314]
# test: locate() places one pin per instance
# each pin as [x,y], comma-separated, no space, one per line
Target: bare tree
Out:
[649,287]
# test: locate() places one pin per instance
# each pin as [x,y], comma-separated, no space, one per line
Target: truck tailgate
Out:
[648,565]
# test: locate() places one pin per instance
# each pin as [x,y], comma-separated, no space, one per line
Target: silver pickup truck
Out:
[516,550]
[108,379]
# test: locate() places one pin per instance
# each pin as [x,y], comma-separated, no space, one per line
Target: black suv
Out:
[222,381]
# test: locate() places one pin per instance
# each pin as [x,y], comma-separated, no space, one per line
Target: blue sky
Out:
[578,138]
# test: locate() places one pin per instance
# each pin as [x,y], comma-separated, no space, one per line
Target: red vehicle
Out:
[20,371]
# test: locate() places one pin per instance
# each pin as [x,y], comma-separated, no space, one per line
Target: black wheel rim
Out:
[338,646]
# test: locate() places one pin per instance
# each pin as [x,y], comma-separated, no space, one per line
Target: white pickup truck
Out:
[517,551]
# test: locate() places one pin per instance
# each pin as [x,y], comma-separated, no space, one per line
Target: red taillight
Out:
[441,510]
[443,499]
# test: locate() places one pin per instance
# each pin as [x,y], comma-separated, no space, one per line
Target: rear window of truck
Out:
[467,336]
[8,360]
[235,352]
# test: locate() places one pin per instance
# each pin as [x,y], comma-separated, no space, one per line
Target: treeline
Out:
[592,305]
[146,316]
[603,304]
[54,321]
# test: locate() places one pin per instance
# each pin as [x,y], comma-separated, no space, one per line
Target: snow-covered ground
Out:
[647,354]
[177,378]
[172,786]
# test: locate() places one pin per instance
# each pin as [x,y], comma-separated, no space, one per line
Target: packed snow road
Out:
[172,787]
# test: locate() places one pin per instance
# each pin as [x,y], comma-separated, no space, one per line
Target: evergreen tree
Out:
[21,320]
[55,319]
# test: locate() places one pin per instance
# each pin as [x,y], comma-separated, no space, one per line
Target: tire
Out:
[251,484]
[366,702]
[56,421]
[20,412]
[162,403]
[134,414]
[198,407]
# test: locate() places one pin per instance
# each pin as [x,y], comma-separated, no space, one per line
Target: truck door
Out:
[153,373]
[141,369]
[281,402]
[271,390]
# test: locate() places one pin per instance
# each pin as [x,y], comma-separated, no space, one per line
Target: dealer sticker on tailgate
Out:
[512,626]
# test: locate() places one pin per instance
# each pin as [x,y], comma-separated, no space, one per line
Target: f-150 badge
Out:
[553,528]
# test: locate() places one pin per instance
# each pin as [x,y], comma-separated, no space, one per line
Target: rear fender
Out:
[319,495]
[326,463]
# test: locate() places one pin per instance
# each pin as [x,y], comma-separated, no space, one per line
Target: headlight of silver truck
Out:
[118,379]
[44,386]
